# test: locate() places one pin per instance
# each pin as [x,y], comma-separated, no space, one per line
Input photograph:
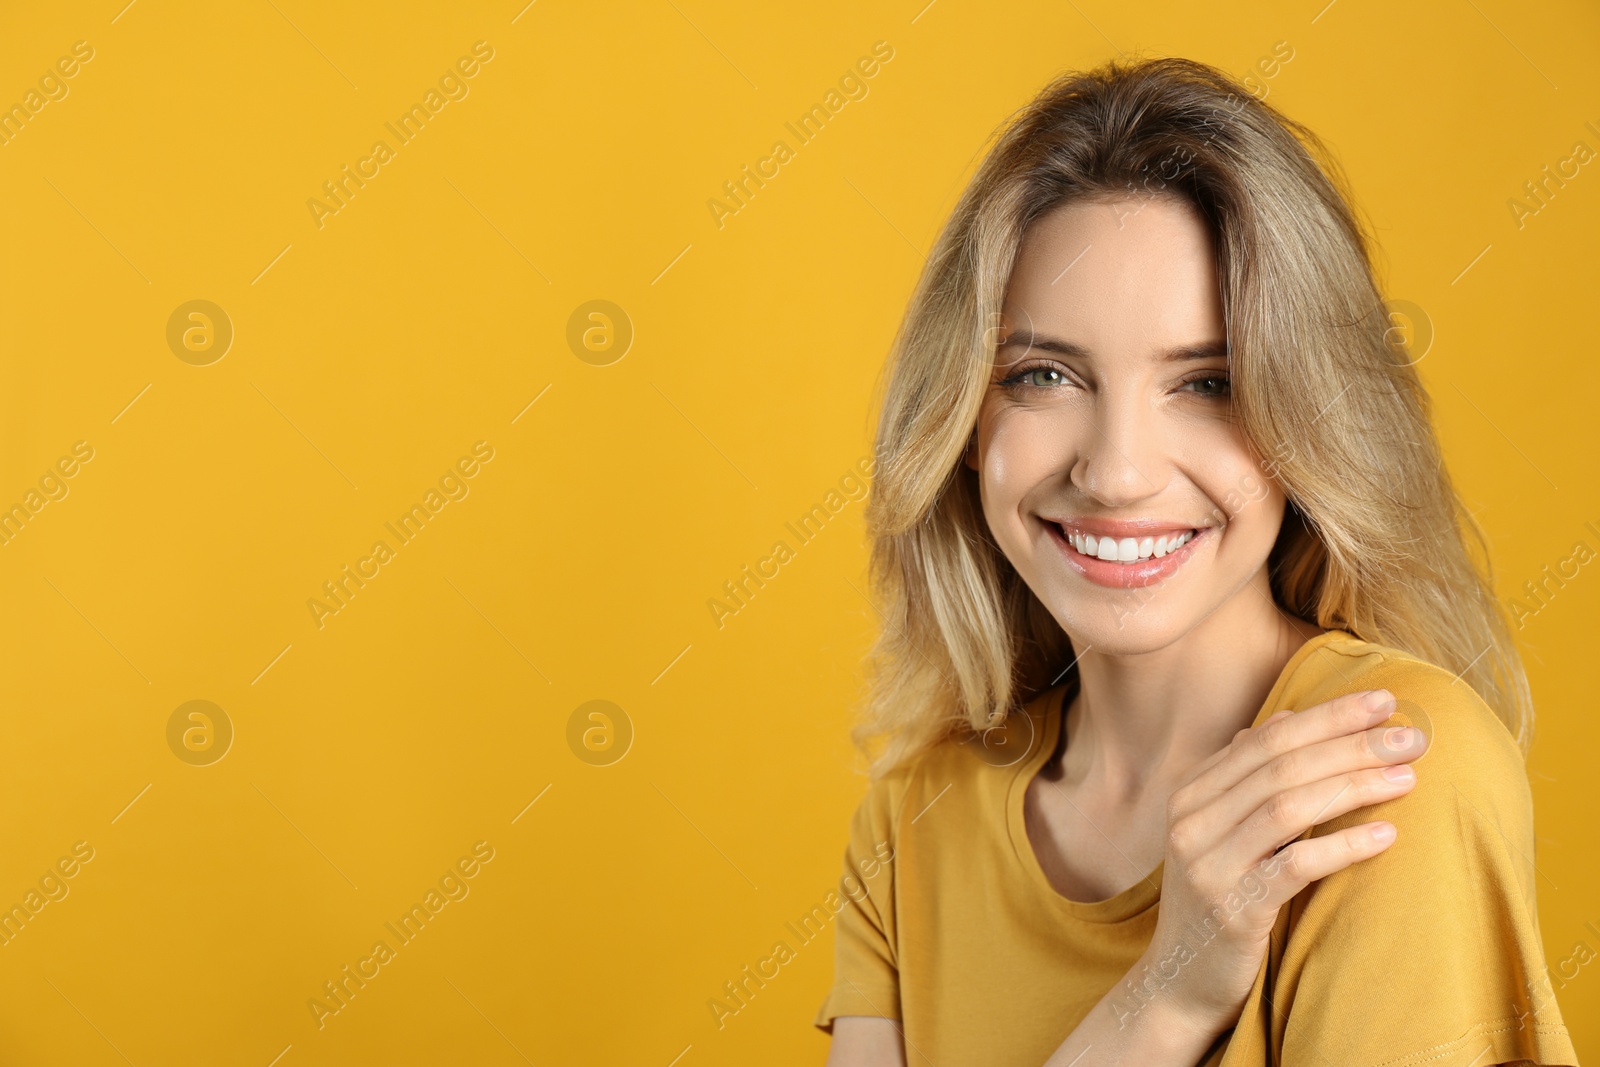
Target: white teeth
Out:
[1128,549]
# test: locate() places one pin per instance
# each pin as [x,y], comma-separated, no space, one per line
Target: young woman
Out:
[1179,610]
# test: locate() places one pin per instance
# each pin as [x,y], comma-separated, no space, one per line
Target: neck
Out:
[1141,722]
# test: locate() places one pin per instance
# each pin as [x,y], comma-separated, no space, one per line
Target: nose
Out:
[1120,458]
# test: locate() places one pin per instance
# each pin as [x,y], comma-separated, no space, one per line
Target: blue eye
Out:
[1224,387]
[1019,380]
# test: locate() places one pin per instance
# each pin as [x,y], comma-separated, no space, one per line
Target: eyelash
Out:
[1015,383]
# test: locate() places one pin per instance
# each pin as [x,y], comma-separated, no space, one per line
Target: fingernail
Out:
[1381,703]
[1397,736]
[1384,831]
[1399,773]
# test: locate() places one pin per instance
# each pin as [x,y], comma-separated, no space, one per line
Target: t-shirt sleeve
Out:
[1429,952]
[866,975]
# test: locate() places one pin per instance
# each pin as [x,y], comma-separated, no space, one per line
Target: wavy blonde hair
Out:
[1374,539]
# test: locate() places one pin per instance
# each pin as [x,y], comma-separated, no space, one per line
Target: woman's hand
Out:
[1225,879]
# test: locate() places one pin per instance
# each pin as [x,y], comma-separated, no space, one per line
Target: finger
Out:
[1378,747]
[1303,862]
[1212,760]
[1252,747]
[1289,814]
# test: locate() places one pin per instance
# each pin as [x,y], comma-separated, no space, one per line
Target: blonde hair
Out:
[1373,537]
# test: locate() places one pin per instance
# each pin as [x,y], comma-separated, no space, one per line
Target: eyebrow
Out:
[1179,354]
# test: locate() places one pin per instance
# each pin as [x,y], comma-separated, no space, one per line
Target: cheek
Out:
[1251,504]
[1021,450]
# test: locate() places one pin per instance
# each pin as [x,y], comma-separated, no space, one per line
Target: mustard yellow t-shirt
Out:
[1427,953]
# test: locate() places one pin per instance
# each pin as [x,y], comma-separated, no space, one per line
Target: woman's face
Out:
[1108,416]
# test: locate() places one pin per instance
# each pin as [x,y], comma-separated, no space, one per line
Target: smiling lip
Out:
[1119,528]
[1125,575]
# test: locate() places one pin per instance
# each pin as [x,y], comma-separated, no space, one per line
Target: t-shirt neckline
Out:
[1141,895]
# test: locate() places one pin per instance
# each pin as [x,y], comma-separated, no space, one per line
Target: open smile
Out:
[1125,562]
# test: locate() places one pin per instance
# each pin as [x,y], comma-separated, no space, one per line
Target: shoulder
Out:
[959,776]
[1448,913]
[1471,757]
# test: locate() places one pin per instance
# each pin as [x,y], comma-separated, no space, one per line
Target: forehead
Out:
[1111,271]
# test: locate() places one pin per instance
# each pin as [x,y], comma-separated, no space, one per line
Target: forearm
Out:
[1138,1023]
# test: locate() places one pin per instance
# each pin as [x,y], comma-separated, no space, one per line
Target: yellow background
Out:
[430,312]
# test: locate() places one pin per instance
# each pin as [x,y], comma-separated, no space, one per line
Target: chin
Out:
[1124,623]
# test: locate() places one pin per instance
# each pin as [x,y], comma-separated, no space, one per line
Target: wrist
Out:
[1141,1019]
[1152,997]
